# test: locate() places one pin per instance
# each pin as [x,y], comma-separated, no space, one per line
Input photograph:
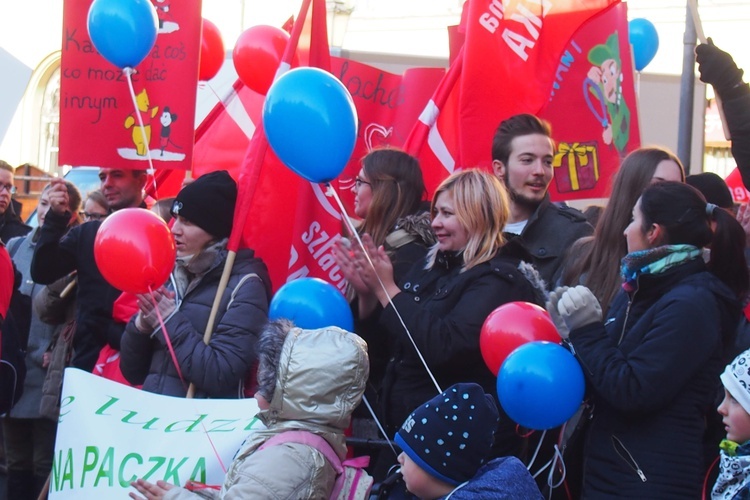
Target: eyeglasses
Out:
[8,187]
[358,182]
[93,216]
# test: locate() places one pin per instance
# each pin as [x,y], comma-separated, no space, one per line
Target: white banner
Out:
[110,434]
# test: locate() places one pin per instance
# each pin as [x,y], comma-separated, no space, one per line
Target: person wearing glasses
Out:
[95,207]
[29,436]
[11,224]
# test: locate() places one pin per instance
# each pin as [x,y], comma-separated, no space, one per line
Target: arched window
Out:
[49,123]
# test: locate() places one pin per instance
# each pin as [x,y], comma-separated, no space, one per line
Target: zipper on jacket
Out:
[625,455]
[627,311]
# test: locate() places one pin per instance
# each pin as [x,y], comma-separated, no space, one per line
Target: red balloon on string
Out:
[257,56]
[510,326]
[134,250]
[212,51]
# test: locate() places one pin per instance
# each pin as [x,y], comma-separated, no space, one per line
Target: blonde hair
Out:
[481,206]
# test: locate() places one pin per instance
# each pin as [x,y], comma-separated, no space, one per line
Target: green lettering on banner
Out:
[112,400]
[146,426]
[106,468]
[171,475]
[67,475]
[220,427]
[199,471]
[126,482]
[63,403]
[252,423]
[189,428]
[159,461]
[91,451]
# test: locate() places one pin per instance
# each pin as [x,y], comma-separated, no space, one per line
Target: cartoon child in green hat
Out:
[605,83]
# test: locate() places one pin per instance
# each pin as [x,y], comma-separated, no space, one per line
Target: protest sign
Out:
[110,434]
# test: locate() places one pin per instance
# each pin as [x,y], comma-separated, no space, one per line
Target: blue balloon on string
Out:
[540,385]
[123,31]
[311,303]
[311,123]
[645,41]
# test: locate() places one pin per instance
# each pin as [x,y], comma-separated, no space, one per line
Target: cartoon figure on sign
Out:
[166,119]
[604,84]
[141,138]
[167,23]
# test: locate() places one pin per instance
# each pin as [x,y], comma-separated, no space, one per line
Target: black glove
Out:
[717,68]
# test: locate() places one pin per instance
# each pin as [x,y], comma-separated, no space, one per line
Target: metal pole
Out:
[687,91]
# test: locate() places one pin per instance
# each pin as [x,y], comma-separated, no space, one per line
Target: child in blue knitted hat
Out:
[446,444]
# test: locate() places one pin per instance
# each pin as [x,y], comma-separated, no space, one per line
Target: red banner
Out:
[513,59]
[98,121]
[291,223]
[592,107]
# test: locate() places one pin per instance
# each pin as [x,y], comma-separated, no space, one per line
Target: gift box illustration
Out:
[576,166]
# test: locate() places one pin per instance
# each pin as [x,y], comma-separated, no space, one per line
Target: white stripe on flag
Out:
[429,114]
[440,150]
[236,110]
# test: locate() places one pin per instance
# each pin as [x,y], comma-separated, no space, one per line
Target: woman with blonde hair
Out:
[444,299]
[595,260]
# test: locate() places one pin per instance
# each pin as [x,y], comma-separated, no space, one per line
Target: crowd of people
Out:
[651,298]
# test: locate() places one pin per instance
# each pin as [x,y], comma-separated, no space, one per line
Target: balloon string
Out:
[353,230]
[179,372]
[166,337]
[380,426]
[128,75]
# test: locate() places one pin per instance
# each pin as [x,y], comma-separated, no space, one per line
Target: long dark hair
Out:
[682,211]
[598,257]
[397,190]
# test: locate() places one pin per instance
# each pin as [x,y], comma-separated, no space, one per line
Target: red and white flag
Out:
[514,59]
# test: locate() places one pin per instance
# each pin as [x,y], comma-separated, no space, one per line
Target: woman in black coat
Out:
[444,299]
[653,365]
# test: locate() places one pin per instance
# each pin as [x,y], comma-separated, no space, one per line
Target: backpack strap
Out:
[313,441]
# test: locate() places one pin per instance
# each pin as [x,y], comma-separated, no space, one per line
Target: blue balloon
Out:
[645,41]
[540,385]
[311,303]
[311,123]
[123,31]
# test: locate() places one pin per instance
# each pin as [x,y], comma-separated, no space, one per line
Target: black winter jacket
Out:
[653,369]
[57,254]
[444,310]
[549,234]
[216,369]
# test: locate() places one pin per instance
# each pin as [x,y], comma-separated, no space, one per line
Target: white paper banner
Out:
[110,434]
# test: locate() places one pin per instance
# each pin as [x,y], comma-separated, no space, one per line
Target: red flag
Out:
[510,60]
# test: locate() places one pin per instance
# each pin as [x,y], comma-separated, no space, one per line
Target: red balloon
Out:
[134,250]
[212,51]
[510,326]
[257,56]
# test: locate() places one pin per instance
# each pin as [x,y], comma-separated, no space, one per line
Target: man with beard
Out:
[60,252]
[522,153]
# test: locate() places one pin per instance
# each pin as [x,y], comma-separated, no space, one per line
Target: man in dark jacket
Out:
[11,224]
[522,153]
[58,254]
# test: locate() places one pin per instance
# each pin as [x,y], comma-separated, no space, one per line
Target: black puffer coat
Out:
[444,309]
[216,369]
[653,367]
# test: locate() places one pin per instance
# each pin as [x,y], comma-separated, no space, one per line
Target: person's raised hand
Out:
[578,307]
[717,68]
[551,305]
[58,196]
[344,257]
